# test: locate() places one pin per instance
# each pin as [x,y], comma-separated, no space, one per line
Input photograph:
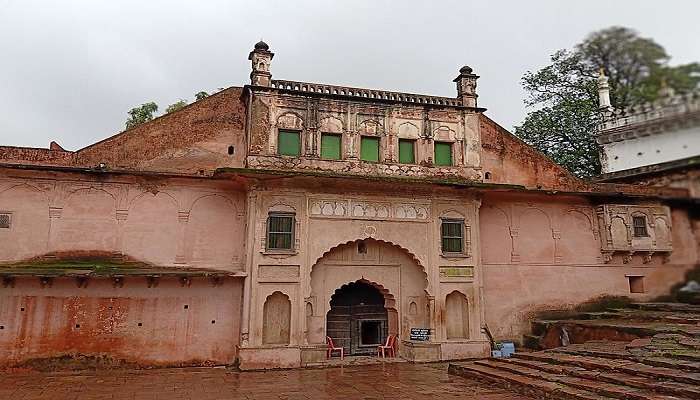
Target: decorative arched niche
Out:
[291,121]
[331,124]
[370,127]
[408,130]
[457,316]
[277,318]
[444,134]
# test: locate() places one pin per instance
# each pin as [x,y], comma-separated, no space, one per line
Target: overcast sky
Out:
[70,70]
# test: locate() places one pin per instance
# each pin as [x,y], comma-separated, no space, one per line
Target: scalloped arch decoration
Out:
[408,130]
[389,299]
[290,120]
[331,124]
[415,258]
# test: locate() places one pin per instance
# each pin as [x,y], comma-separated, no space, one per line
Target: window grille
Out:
[5,221]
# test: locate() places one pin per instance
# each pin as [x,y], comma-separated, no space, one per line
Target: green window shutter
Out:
[280,231]
[407,154]
[288,143]
[452,233]
[443,153]
[330,146]
[369,148]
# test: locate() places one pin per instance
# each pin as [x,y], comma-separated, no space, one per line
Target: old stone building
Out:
[656,143]
[250,225]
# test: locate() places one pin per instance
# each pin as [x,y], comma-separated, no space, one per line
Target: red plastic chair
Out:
[388,347]
[332,348]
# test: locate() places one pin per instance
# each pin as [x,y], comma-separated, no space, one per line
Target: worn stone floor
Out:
[370,382]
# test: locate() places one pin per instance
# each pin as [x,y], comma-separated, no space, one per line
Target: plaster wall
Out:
[171,324]
[166,222]
[545,254]
[652,149]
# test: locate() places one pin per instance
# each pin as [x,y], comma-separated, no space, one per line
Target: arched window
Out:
[277,313]
[457,316]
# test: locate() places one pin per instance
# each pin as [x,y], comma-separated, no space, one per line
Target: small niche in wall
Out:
[361,247]
[636,283]
[140,324]
[5,220]
[230,150]
[213,321]
[487,176]
[2,327]
[186,306]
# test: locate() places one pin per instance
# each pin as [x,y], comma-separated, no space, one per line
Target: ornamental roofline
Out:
[673,111]
[364,94]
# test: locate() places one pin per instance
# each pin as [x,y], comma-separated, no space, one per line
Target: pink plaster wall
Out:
[166,222]
[527,272]
[101,319]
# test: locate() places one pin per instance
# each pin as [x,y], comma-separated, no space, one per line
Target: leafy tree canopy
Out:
[141,114]
[176,106]
[566,96]
[200,95]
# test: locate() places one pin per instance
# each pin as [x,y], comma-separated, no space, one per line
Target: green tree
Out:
[141,114]
[566,97]
[200,95]
[176,106]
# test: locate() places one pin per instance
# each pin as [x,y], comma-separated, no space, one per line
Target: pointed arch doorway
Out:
[358,319]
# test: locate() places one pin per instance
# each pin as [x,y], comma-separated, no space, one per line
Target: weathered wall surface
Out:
[545,254]
[509,160]
[35,156]
[166,222]
[170,324]
[195,138]
[352,120]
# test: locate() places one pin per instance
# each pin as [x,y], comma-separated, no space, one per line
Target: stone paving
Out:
[389,381]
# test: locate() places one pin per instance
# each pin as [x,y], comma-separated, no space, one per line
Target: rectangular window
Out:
[280,231]
[5,221]
[369,148]
[639,224]
[288,143]
[330,146]
[407,151]
[452,233]
[443,153]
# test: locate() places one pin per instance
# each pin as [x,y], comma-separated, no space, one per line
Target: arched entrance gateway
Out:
[358,320]
[363,291]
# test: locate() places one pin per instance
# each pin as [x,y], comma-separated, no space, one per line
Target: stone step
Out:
[613,329]
[618,378]
[677,307]
[536,388]
[673,360]
[645,315]
[604,364]
[584,381]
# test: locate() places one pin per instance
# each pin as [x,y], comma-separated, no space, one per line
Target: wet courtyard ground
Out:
[370,382]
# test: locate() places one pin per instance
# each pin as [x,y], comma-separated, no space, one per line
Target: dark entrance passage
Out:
[357,320]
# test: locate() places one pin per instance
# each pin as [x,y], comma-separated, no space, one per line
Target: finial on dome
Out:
[465,70]
[261,58]
[262,46]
